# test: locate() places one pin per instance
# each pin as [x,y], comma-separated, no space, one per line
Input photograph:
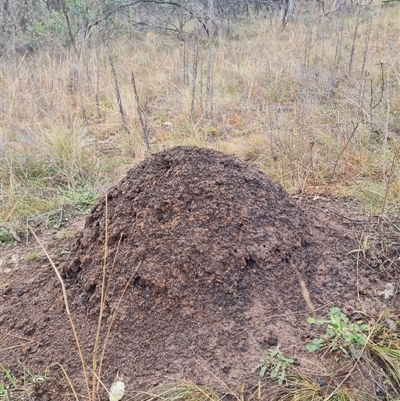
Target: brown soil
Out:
[203,251]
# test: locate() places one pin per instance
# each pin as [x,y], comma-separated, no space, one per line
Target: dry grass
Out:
[183,391]
[316,106]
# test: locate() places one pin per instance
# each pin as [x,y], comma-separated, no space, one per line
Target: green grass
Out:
[31,256]
[65,234]
[19,386]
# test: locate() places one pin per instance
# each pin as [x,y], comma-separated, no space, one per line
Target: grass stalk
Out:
[116,88]
[105,298]
[353,45]
[194,77]
[388,181]
[185,63]
[341,154]
[361,95]
[210,82]
[64,292]
[71,386]
[102,301]
[143,124]
[128,283]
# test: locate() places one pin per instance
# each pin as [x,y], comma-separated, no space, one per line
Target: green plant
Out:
[289,383]
[276,364]
[67,234]
[7,381]
[29,257]
[10,384]
[6,238]
[340,334]
[80,199]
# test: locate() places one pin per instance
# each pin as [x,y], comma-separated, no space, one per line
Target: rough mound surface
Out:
[204,248]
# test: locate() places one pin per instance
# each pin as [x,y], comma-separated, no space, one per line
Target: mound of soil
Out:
[206,247]
[201,252]
[202,234]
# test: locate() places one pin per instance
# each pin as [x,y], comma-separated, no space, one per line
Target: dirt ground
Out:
[202,255]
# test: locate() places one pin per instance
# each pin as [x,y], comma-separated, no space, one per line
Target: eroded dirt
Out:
[200,267]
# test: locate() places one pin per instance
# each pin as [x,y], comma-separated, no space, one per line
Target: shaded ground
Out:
[204,250]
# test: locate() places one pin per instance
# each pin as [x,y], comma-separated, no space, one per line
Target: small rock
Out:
[389,290]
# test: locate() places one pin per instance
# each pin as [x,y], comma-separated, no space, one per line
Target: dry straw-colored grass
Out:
[315,105]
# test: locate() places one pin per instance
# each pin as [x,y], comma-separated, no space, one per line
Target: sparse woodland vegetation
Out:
[308,92]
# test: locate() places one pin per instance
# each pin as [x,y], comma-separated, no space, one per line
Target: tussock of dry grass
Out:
[315,105]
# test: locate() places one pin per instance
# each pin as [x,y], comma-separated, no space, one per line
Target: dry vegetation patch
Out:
[315,105]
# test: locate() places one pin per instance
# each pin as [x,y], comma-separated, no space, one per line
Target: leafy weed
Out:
[340,334]
[275,364]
